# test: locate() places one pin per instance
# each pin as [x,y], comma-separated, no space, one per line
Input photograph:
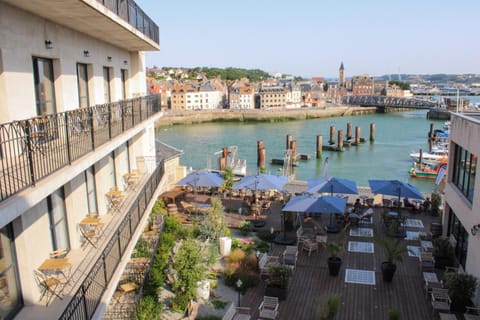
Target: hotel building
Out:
[461,220]
[77,139]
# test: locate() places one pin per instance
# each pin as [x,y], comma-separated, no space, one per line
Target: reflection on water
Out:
[397,135]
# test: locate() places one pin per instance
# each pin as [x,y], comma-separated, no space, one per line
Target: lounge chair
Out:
[268,308]
[472,313]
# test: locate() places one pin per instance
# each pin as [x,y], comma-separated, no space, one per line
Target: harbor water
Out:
[397,135]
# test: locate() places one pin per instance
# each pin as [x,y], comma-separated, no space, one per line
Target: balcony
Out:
[33,149]
[119,22]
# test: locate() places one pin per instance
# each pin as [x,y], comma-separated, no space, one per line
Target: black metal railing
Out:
[129,11]
[85,301]
[33,149]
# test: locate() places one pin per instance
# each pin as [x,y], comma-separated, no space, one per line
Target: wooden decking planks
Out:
[311,285]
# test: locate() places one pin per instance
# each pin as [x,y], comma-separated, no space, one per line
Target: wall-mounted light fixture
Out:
[125,62]
[48,44]
[86,53]
[475,229]
[109,59]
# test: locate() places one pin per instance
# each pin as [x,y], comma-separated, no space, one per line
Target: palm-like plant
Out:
[393,249]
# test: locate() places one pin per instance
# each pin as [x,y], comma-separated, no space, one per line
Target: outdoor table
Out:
[90,222]
[430,277]
[171,196]
[55,266]
[114,194]
[426,245]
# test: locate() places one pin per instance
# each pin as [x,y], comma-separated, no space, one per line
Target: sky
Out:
[312,37]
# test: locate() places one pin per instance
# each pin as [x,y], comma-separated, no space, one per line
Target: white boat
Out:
[436,156]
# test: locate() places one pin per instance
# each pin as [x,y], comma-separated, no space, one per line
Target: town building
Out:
[77,141]
[241,95]
[272,97]
[341,76]
[462,193]
[362,85]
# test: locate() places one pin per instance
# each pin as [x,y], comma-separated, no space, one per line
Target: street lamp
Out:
[239,285]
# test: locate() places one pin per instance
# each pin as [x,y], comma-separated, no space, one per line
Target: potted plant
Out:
[393,314]
[330,309]
[277,281]
[334,261]
[393,249]
[436,202]
[443,252]
[461,288]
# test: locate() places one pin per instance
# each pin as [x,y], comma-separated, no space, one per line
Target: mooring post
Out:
[372,132]
[420,156]
[288,141]
[357,134]
[349,131]
[319,146]
[340,140]
[432,130]
[332,135]
[293,147]
[260,154]
[222,161]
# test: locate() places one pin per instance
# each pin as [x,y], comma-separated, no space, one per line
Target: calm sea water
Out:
[397,135]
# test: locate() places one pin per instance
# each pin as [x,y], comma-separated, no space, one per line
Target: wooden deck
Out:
[311,284]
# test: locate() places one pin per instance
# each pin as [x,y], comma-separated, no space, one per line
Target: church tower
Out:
[341,76]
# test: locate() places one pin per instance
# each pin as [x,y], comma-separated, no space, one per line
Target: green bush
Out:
[245,228]
[148,309]
[218,304]
[142,249]
[330,308]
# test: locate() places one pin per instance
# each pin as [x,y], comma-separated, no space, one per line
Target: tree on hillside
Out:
[401,84]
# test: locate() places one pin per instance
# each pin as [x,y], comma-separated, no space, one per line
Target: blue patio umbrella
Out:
[332,185]
[201,179]
[395,188]
[315,203]
[261,182]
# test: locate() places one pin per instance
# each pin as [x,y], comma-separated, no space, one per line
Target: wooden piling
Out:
[222,161]
[431,132]
[340,140]
[349,131]
[262,158]
[420,156]
[332,135]
[260,154]
[288,141]
[372,132]
[357,134]
[319,146]
[293,147]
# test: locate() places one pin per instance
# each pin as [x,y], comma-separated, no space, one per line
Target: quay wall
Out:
[271,115]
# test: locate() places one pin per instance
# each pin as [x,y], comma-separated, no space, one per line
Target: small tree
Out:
[228,182]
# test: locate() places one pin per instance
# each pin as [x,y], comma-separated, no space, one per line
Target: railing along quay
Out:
[129,11]
[85,301]
[393,102]
[32,149]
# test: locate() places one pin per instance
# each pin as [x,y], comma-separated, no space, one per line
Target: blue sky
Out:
[312,37]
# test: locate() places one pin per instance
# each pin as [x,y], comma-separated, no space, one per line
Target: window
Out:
[106,85]
[91,190]
[58,220]
[82,79]
[10,301]
[456,229]
[124,84]
[44,86]
[463,172]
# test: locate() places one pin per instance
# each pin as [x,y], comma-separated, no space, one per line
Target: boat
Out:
[427,171]
[438,155]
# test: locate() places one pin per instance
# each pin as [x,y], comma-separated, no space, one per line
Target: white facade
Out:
[46,216]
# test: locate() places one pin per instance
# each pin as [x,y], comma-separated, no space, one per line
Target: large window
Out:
[463,173]
[44,86]
[82,80]
[456,229]
[58,220]
[10,297]
[106,85]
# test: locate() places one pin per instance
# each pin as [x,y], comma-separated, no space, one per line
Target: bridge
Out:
[389,102]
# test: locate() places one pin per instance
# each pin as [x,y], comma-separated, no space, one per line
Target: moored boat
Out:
[427,171]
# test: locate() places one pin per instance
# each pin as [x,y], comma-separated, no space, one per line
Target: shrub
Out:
[236,255]
[461,288]
[245,227]
[330,308]
[142,249]
[218,304]
[148,309]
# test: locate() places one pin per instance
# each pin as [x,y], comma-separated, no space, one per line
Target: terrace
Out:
[362,297]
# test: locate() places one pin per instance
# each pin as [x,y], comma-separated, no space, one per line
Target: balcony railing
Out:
[85,301]
[129,11]
[32,149]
